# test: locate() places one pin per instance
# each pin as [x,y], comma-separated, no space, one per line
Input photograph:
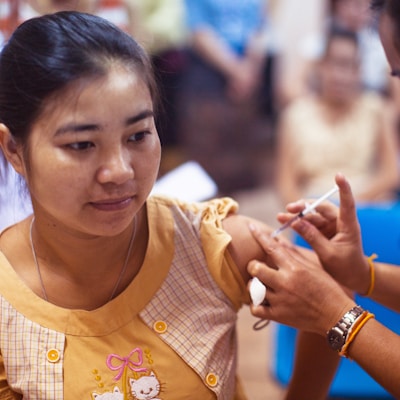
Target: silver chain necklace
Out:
[121,274]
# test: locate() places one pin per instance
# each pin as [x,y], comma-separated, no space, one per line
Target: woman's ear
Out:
[12,151]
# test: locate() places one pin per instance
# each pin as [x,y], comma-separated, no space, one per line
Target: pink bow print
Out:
[126,362]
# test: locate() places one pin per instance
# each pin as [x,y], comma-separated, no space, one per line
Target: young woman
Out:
[106,292]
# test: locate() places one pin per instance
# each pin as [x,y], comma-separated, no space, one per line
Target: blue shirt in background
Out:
[234,21]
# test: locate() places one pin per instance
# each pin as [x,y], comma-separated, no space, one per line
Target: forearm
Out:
[256,52]
[214,51]
[134,16]
[387,283]
[288,190]
[381,280]
[377,350]
[384,288]
[381,187]
[287,180]
[386,174]
[314,369]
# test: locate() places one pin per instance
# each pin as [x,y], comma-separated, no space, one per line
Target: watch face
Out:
[335,339]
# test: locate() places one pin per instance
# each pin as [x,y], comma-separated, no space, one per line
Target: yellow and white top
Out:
[170,335]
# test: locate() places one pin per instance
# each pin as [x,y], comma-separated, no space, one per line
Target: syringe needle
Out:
[286,225]
[306,210]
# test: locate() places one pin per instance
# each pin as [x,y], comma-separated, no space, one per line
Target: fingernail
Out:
[300,225]
[252,227]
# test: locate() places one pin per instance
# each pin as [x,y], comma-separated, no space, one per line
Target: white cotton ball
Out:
[257,291]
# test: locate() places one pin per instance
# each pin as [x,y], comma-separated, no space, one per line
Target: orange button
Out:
[160,326]
[212,379]
[53,355]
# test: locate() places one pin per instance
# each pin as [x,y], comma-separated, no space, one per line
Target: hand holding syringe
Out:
[257,289]
[309,208]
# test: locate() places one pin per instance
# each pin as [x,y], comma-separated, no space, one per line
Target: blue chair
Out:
[380,226]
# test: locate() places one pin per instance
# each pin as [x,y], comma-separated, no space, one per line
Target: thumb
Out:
[276,251]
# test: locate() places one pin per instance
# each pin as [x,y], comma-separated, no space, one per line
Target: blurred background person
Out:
[8,18]
[353,15]
[50,6]
[162,32]
[222,123]
[339,127]
[13,12]
[293,21]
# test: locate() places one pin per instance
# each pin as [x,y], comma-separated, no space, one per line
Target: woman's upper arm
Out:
[243,247]
[287,177]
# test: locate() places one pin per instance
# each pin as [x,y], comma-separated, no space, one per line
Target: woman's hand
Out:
[299,292]
[334,234]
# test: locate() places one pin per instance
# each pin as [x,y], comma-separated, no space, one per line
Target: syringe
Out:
[307,209]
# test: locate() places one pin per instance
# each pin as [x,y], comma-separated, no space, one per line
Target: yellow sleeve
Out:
[215,242]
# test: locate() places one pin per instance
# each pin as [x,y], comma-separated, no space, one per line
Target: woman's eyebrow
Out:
[142,115]
[76,127]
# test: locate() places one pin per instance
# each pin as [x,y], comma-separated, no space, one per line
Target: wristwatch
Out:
[338,334]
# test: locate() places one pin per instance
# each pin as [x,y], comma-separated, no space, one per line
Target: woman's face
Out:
[94,154]
[353,14]
[340,71]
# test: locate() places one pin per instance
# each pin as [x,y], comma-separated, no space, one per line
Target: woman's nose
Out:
[116,167]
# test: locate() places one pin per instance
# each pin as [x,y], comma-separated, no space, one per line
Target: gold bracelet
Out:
[371,264]
[353,333]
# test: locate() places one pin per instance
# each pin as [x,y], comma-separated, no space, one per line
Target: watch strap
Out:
[338,334]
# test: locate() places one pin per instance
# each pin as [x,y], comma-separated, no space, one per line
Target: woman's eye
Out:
[137,137]
[80,145]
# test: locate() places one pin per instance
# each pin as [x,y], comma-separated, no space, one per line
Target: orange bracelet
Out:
[349,338]
[364,317]
[371,264]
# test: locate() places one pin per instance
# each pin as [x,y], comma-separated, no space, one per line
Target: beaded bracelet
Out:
[363,318]
[371,264]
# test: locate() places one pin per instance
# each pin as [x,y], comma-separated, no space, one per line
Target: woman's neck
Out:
[335,109]
[86,272]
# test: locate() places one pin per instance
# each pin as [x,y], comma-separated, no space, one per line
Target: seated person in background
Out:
[161,30]
[122,13]
[340,127]
[352,15]
[221,125]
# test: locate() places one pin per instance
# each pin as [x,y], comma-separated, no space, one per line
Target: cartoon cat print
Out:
[114,395]
[146,387]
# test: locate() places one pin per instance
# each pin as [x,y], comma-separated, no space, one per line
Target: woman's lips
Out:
[112,204]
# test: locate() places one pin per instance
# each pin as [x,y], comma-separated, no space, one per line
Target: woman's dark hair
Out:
[339,33]
[392,9]
[47,53]
[378,5]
